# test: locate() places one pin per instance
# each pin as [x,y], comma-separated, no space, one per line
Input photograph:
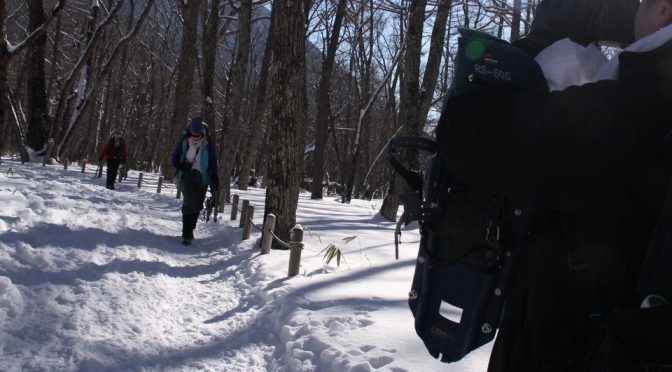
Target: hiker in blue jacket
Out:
[195,160]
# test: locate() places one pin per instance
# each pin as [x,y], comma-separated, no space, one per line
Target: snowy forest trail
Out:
[97,280]
[117,256]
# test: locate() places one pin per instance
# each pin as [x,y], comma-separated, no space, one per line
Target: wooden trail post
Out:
[140,179]
[295,248]
[83,166]
[179,191]
[66,162]
[243,210]
[267,235]
[222,202]
[234,208]
[248,215]
[158,187]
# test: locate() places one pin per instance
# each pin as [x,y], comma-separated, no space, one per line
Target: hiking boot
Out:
[186,242]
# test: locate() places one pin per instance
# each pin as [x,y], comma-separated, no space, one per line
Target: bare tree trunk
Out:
[434,58]
[185,70]
[6,56]
[409,98]
[36,108]
[289,115]
[83,84]
[236,92]
[83,101]
[323,104]
[257,128]
[515,21]
[210,40]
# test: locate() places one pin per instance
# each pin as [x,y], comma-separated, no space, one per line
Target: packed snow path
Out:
[96,280]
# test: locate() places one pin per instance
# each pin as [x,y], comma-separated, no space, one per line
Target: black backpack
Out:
[470,237]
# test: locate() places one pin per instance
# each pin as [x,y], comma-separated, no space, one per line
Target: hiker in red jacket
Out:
[115,153]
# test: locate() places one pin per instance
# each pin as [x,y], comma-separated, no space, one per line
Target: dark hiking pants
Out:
[112,170]
[193,193]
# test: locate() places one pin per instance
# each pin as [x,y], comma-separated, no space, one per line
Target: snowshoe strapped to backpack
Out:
[470,237]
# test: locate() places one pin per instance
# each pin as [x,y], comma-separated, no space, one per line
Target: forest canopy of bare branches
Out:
[71,71]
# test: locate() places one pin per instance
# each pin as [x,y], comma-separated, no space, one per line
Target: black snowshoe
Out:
[470,237]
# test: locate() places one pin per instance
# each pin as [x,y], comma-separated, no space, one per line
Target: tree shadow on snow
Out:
[50,236]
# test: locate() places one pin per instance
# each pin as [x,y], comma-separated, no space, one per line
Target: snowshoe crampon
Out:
[470,237]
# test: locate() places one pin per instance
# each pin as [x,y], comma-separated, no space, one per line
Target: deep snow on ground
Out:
[96,280]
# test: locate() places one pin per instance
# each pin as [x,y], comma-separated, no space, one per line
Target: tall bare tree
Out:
[436,47]
[256,120]
[409,112]
[288,112]
[210,42]
[515,20]
[7,52]
[235,96]
[185,69]
[323,104]
[86,89]
[36,106]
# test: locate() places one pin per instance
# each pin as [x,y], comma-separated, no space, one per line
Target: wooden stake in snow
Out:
[295,248]
[83,166]
[234,207]
[243,212]
[267,235]
[158,187]
[140,179]
[247,226]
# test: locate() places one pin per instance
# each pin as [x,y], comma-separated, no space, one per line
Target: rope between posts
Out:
[255,226]
[280,241]
[272,234]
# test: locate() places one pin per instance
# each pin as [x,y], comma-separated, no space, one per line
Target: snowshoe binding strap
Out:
[413,205]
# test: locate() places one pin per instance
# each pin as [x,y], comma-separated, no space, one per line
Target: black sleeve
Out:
[582,21]
[562,148]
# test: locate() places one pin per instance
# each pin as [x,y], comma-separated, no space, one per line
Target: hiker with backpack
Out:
[595,159]
[195,161]
[547,215]
[114,152]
